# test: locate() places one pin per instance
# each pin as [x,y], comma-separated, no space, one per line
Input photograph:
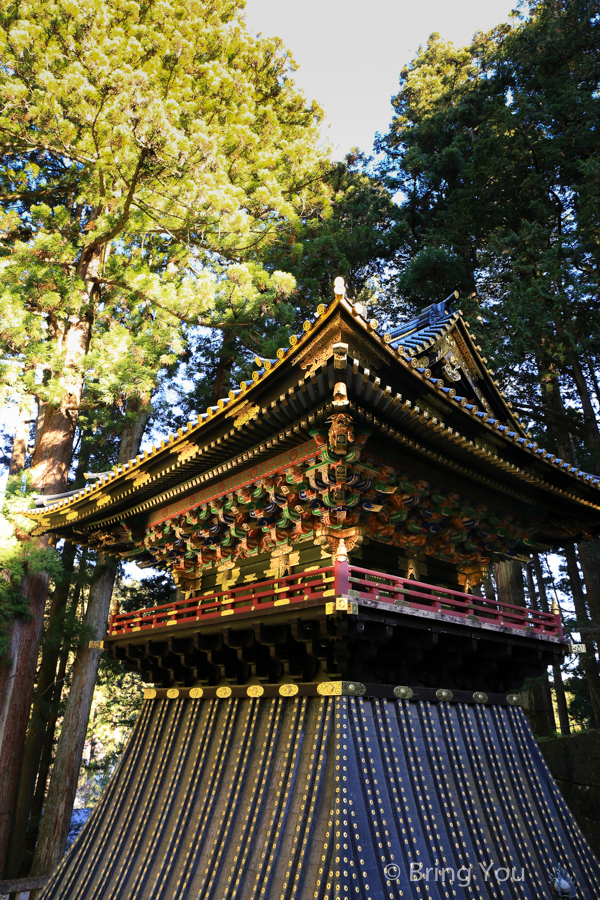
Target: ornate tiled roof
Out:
[426,328]
[435,355]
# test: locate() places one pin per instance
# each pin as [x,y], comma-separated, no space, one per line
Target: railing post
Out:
[557,616]
[114,612]
[341,581]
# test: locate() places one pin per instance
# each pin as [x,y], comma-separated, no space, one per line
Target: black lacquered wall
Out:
[327,797]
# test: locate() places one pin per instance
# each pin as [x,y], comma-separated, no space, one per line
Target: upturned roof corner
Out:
[425,380]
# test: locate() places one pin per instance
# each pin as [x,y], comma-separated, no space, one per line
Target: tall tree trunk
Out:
[589,557]
[538,699]
[590,664]
[131,438]
[557,422]
[488,587]
[589,416]
[56,820]
[54,443]
[593,377]
[226,360]
[50,467]
[551,393]
[46,760]
[40,712]
[561,701]
[21,438]
[542,604]
[16,699]
[589,551]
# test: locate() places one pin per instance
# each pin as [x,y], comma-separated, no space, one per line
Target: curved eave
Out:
[119,490]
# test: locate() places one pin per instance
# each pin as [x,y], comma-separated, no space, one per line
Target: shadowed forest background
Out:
[168,213]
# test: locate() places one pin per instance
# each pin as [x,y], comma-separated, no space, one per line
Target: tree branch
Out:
[196,320]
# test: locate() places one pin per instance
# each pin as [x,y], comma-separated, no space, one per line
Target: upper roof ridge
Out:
[433,316]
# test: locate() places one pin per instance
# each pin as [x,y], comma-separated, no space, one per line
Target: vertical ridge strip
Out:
[178,827]
[467,793]
[265,867]
[257,796]
[341,803]
[420,821]
[144,808]
[213,864]
[118,826]
[312,793]
[145,859]
[398,802]
[195,846]
[513,767]
[323,888]
[522,853]
[494,817]
[347,754]
[77,856]
[430,776]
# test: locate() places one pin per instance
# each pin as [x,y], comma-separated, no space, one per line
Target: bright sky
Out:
[350,53]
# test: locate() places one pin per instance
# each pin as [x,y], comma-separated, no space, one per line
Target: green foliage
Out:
[115,707]
[149,154]
[354,236]
[580,704]
[493,151]
[19,555]
[155,590]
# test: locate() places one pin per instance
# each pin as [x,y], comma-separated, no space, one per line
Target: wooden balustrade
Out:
[317,584]
[367,584]
[327,583]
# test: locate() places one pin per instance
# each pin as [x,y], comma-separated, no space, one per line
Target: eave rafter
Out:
[333,486]
[430,414]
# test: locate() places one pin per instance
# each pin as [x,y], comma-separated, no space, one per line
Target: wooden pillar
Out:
[340,570]
[509,580]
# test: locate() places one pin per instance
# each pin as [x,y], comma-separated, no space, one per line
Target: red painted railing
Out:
[420,596]
[328,583]
[318,584]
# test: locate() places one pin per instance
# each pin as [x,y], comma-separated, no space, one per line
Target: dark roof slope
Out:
[326,797]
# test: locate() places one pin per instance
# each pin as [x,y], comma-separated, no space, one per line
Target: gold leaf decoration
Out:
[187,451]
[223,691]
[143,478]
[255,690]
[172,693]
[247,414]
[195,693]
[288,690]
[330,688]
[102,500]
[72,515]
[149,694]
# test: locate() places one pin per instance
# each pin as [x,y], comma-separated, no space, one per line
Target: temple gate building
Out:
[333,705]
